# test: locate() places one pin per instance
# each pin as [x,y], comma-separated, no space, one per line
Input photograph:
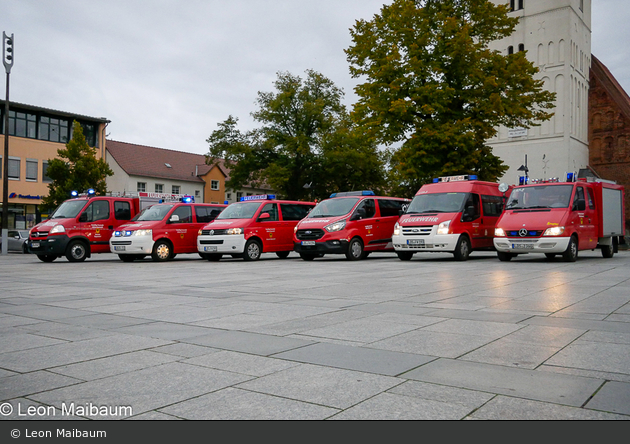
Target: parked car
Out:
[17,240]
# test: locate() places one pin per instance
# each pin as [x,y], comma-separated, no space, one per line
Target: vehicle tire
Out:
[46,257]
[608,251]
[550,256]
[127,257]
[404,255]
[24,248]
[571,253]
[462,249]
[282,254]
[253,250]
[162,251]
[77,251]
[214,257]
[307,256]
[505,257]
[355,249]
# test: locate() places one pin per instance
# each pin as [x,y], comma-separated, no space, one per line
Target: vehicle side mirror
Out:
[174,218]
[580,205]
[264,216]
[17,236]
[83,217]
[359,214]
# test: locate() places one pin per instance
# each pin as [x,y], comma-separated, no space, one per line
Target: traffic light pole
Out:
[7,60]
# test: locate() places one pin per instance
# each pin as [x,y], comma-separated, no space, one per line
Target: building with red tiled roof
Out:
[139,168]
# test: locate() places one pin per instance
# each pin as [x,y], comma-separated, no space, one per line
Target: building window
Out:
[53,130]
[159,188]
[142,187]
[581,5]
[197,193]
[14,168]
[175,189]
[510,49]
[31,169]
[214,184]
[22,124]
[521,47]
[239,195]
[228,196]
[45,177]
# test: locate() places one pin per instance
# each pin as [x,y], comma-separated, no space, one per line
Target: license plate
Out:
[119,247]
[308,243]
[35,245]
[415,242]
[522,246]
[209,248]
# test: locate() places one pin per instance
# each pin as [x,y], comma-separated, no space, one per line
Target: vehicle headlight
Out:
[234,231]
[58,229]
[554,231]
[143,233]
[199,232]
[499,232]
[335,226]
[396,229]
[443,227]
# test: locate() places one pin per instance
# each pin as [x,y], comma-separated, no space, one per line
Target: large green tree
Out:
[75,169]
[436,92]
[306,146]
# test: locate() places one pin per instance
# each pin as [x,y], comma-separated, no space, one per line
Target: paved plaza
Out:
[285,339]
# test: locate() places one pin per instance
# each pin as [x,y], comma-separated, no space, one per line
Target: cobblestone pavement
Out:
[331,339]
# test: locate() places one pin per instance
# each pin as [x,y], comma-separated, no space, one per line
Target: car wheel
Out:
[127,257]
[307,256]
[162,251]
[608,251]
[404,255]
[571,253]
[77,251]
[282,254]
[355,249]
[462,249]
[505,257]
[252,251]
[24,248]
[46,257]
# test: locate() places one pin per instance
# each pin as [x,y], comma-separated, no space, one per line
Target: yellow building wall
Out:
[210,195]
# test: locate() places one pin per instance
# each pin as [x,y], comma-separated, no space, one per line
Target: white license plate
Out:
[308,243]
[119,248]
[522,246]
[35,245]
[415,242]
[209,248]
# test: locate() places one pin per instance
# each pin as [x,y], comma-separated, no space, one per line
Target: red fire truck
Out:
[562,218]
[454,214]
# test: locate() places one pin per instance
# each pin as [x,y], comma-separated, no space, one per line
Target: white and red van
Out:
[255,225]
[562,218]
[354,223]
[81,227]
[454,214]
[163,230]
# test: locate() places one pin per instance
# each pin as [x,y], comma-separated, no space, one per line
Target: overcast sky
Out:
[166,72]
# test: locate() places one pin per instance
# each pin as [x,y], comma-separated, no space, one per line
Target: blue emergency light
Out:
[91,191]
[456,178]
[353,193]
[258,197]
[74,193]
[523,180]
[188,199]
[570,177]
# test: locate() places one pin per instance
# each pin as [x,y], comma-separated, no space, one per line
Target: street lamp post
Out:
[7,61]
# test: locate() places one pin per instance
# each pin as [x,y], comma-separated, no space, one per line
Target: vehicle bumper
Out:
[125,245]
[334,246]
[229,244]
[540,245]
[432,242]
[51,246]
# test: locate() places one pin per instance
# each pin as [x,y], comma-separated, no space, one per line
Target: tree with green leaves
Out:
[75,169]
[434,89]
[306,147]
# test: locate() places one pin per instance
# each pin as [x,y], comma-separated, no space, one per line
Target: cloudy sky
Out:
[166,72]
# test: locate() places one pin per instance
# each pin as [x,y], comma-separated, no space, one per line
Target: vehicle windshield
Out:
[540,196]
[68,209]
[239,210]
[437,203]
[333,207]
[153,213]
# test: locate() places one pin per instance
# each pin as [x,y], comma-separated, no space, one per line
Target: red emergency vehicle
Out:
[81,226]
[354,223]
[255,225]
[454,214]
[562,218]
[163,230]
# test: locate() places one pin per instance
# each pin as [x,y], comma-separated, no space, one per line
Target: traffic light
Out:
[7,51]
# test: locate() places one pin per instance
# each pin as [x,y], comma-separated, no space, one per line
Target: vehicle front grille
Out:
[523,233]
[121,242]
[213,232]
[310,234]
[211,242]
[39,235]
[416,231]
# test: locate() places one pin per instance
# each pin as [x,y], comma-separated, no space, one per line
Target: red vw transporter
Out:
[354,223]
[562,218]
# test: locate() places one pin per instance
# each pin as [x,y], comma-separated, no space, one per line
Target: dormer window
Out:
[168,165]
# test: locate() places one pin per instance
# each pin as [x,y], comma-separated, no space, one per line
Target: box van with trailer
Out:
[354,223]
[255,225]
[562,218]
[163,230]
[454,214]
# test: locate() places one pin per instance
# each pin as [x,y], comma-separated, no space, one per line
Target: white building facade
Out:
[557,37]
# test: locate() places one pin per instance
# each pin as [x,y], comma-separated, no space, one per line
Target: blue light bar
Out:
[258,197]
[570,177]
[188,199]
[353,193]
[459,178]
[91,191]
[523,180]
[74,193]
